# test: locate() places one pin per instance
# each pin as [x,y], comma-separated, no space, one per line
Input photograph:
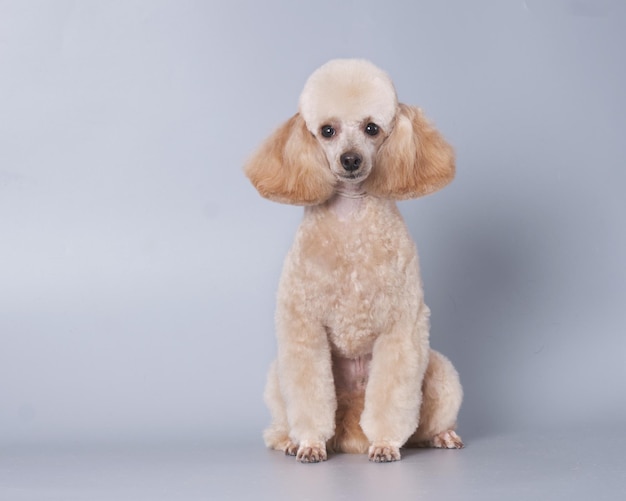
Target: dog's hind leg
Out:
[441,400]
[276,436]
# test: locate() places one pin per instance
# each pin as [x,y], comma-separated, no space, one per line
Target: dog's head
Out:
[349,107]
[350,129]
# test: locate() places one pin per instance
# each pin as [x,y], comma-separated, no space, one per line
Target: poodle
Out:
[354,371]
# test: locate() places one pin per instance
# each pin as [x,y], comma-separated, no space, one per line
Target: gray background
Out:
[138,267]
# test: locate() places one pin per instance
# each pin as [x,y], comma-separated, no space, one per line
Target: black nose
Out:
[351,161]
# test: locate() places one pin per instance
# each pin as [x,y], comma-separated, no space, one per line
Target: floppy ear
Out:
[290,166]
[414,160]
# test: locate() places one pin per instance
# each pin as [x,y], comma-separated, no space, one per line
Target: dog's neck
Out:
[347,200]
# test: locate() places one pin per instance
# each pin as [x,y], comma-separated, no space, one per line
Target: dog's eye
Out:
[372,129]
[327,131]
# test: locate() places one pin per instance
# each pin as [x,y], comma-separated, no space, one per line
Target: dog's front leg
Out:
[306,382]
[393,393]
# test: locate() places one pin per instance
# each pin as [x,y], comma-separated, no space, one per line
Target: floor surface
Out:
[522,466]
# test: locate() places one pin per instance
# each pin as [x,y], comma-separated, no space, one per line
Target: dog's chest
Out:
[358,272]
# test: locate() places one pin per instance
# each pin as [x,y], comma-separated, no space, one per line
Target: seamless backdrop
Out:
[138,267]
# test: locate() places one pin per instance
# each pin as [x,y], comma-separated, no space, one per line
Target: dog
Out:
[354,371]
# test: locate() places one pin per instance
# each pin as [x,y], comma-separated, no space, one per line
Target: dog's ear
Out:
[290,166]
[414,160]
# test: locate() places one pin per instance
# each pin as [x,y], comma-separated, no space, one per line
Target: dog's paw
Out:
[311,452]
[447,440]
[281,442]
[291,449]
[287,446]
[383,453]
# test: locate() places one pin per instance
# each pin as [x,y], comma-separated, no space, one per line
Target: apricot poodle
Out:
[354,371]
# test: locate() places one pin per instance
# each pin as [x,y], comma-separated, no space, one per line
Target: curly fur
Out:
[354,371]
[287,167]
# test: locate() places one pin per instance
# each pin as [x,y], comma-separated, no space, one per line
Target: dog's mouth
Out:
[352,177]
